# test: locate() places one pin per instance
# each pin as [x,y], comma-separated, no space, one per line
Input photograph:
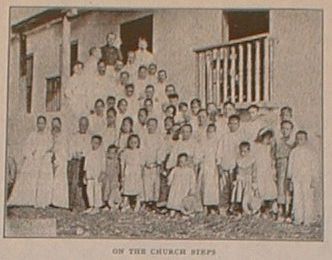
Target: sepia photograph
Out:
[175,124]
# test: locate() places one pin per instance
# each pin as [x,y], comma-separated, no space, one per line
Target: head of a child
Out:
[202,117]
[142,72]
[183,107]
[173,99]
[101,67]
[170,111]
[211,131]
[148,105]
[131,57]
[229,109]
[286,113]
[110,102]
[111,116]
[129,90]
[142,116]
[127,125]
[176,131]
[122,105]
[149,91]
[253,112]
[41,123]
[168,123]
[186,132]
[133,142]
[286,128]
[162,76]
[170,89]
[124,78]
[99,107]
[152,125]
[301,138]
[56,125]
[211,109]
[183,160]
[234,123]
[195,106]
[96,142]
[152,69]
[112,152]
[83,125]
[244,148]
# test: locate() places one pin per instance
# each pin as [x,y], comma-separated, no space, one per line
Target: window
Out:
[53,94]
[23,50]
[73,55]
[29,80]
[131,31]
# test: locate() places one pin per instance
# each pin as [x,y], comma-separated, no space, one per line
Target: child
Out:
[284,145]
[244,187]
[110,102]
[182,183]
[93,168]
[266,171]
[301,169]
[170,111]
[97,119]
[125,131]
[131,169]
[209,177]
[110,179]
[111,132]
[183,115]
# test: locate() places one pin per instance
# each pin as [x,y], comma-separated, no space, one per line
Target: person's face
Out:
[152,126]
[183,161]
[168,124]
[56,125]
[101,68]
[233,125]
[173,101]
[110,103]
[286,129]
[211,109]
[162,76]
[286,115]
[143,45]
[195,107]
[244,151]
[176,129]
[118,65]
[78,68]
[149,92]
[267,139]
[186,133]
[142,116]
[169,112]
[83,125]
[142,73]
[111,118]
[253,113]
[148,105]
[126,126]
[129,91]
[124,78]
[152,69]
[170,90]
[95,143]
[184,109]
[99,107]
[133,142]
[301,139]
[229,110]
[111,38]
[211,132]
[131,58]
[41,124]
[123,107]
[202,118]
[112,153]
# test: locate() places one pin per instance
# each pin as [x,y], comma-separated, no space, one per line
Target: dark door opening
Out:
[246,23]
[132,31]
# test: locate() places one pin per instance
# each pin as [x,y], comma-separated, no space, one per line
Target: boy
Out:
[110,102]
[121,84]
[169,90]
[160,86]
[132,100]
[141,80]
[195,107]
[183,115]
[97,119]
[122,111]
[140,126]
[111,132]
[94,164]
[152,69]
[110,179]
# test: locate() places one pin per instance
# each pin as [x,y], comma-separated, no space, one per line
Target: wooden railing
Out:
[237,71]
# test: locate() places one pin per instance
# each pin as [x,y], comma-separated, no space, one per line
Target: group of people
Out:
[127,141]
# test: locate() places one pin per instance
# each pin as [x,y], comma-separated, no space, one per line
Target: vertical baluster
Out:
[202,76]
[241,73]
[266,70]
[225,82]
[197,75]
[209,76]
[258,71]
[217,93]
[249,72]
[233,72]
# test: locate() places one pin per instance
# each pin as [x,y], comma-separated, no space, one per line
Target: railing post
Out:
[249,72]
[241,58]
[266,70]
[233,72]
[218,57]
[202,76]
[257,70]
[209,76]
[225,74]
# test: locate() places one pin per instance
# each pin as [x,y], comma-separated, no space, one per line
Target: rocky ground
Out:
[148,225]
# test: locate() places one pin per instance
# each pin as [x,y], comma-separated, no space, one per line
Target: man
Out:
[143,56]
[110,53]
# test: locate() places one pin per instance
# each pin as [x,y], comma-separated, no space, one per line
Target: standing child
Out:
[131,169]
[182,183]
[110,179]
[245,190]
[94,167]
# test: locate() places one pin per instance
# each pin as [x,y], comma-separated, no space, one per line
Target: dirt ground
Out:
[148,225]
